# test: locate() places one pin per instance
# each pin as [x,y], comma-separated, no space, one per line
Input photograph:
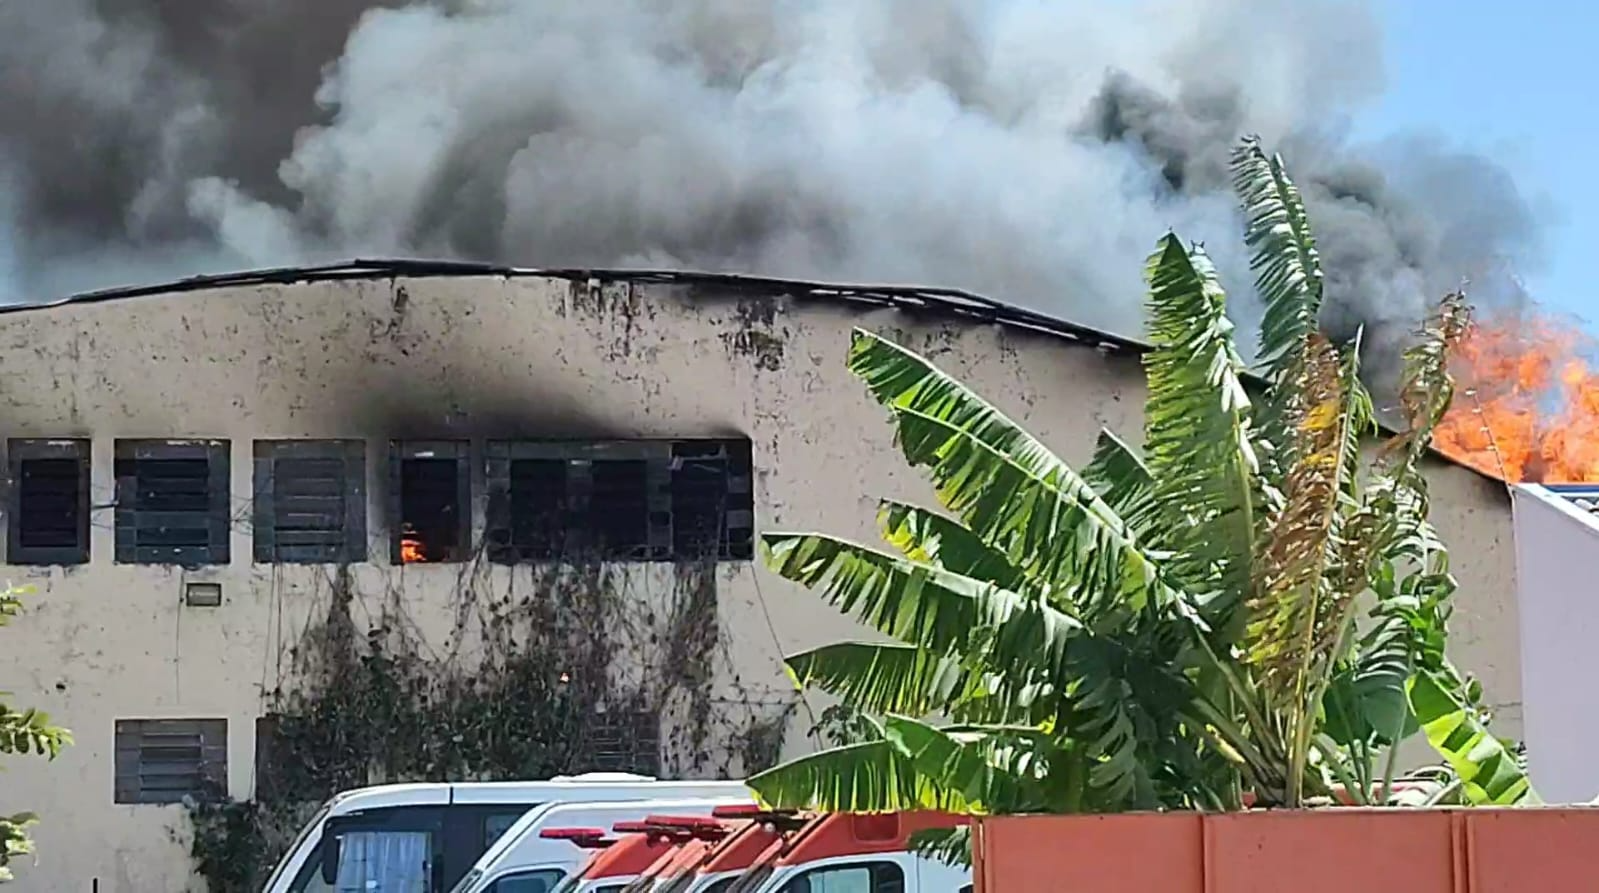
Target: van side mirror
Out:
[330,857]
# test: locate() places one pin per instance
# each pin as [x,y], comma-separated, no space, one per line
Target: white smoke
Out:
[1032,150]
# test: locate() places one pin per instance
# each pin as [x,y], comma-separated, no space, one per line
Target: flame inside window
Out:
[411,549]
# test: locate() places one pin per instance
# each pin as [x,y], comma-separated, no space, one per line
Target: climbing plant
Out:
[525,687]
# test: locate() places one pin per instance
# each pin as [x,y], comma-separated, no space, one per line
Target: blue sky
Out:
[1513,81]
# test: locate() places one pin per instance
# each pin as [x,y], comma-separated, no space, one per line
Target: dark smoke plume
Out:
[1032,150]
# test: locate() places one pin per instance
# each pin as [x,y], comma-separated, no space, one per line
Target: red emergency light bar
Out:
[574,834]
[737,811]
[632,827]
[684,822]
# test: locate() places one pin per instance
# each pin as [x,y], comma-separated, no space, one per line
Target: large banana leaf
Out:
[1366,703]
[1489,772]
[902,679]
[1197,429]
[917,766]
[1284,257]
[1020,652]
[931,538]
[1120,477]
[992,769]
[874,776]
[1014,637]
[1007,488]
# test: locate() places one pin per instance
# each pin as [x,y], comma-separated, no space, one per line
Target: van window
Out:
[496,824]
[541,880]
[400,861]
[875,877]
[721,886]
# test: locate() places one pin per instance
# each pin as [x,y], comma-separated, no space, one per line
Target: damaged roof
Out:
[947,302]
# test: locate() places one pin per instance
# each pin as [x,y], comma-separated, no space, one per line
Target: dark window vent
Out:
[663,500]
[172,502]
[49,521]
[166,760]
[430,502]
[624,741]
[310,501]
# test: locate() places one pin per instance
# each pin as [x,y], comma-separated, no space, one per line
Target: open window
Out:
[172,502]
[634,500]
[310,501]
[430,516]
[49,516]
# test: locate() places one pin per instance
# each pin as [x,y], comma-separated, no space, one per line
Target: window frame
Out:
[267,547]
[663,459]
[615,740]
[219,495]
[458,451]
[27,449]
[128,760]
[531,872]
[872,866]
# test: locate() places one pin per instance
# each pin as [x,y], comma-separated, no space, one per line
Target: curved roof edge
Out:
[950,302]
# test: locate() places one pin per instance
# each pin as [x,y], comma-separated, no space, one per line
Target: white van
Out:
[522,861]
[427,836]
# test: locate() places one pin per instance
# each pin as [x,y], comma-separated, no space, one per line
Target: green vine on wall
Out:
[526,688]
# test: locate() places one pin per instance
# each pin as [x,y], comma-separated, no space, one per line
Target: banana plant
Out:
[1241,612]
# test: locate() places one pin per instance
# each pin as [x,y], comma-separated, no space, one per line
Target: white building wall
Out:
[487,358]
[1559,606]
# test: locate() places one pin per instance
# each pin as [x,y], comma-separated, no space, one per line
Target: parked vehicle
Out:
[697,839]
[623,860]
[754,832]
[845,853]
[525,855]
[760,852]
[427,836]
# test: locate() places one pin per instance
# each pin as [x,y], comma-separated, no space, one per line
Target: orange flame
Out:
[411,550]
[1526,404]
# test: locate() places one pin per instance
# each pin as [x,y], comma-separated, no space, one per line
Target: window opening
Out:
[646,500]
[172,502]
[430,502]
[49,521]
[310,501]
[163,761]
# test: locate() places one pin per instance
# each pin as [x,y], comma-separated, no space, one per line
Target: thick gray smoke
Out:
[1032,150]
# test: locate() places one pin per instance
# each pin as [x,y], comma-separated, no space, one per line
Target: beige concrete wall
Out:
[482,357]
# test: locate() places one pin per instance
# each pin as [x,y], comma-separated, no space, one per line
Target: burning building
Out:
[1527,404]
[202,470]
